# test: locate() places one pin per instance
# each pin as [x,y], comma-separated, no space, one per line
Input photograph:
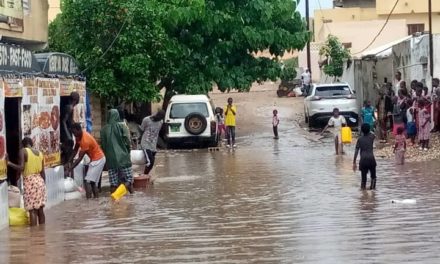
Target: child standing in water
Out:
[411,127]
[336,122]
[400,147]
[275,123]
[220,122]
[424,119]
[367,163]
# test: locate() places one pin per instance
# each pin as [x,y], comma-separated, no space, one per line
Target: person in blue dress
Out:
[367,115]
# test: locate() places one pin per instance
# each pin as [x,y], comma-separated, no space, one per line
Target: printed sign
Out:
[14,58]
[49,120]
[79,112]
[30,114]
[13,87]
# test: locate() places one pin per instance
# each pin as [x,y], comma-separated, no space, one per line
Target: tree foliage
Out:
[183,46]
[335,54]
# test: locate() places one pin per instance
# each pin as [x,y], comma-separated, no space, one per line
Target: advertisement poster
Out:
[49,120]
[30,114]
[3,164]
[79,112]
[13,87]
[11,13]
[66,87]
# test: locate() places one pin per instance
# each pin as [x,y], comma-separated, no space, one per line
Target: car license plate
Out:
[175,127]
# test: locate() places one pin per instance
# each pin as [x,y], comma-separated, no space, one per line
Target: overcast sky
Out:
[314,5]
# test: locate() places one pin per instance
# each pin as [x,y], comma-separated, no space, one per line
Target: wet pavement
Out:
[286,201]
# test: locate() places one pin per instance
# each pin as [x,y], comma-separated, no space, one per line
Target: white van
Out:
[191,119]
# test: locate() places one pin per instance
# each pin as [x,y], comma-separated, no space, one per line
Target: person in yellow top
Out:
[230,122]
[31,165]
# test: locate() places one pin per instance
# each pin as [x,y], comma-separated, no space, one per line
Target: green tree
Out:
[335,54]
[186,47]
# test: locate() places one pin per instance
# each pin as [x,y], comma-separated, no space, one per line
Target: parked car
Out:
[323,98]
[190,119]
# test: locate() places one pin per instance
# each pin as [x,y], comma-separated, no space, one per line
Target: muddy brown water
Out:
[286,201]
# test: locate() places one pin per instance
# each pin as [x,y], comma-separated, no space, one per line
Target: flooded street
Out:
[286,201]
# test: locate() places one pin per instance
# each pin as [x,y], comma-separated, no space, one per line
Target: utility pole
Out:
[309,64]
[431,44]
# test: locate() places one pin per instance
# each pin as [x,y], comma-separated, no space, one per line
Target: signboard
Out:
[13,87]
[66,87]
[49,120]
[14,58]
[57,63]
[3,165]
[11,13]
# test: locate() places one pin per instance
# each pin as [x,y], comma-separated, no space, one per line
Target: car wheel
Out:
[306,117]
[195,124]
[311,122]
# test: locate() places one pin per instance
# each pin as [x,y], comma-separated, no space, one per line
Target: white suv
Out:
[323,98]
[191,119]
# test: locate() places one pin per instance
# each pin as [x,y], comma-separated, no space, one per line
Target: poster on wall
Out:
[30,114]
[49,120]
[79,112]
[66,87]
[13,87]
[3,164]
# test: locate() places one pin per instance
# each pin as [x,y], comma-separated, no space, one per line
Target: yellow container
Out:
[120,192]
[346,136]
[18,217]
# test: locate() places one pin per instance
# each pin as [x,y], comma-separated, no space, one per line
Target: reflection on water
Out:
[286,201]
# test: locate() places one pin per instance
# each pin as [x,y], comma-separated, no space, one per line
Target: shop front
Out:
[33,91]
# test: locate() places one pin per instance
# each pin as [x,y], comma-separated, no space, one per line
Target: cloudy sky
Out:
[314,5]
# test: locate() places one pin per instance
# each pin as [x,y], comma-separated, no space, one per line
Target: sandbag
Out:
[14,196]
[18,217]
[69,185]
[138,157]
[72,196]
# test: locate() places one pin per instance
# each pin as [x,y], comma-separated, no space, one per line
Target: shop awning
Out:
[57,63]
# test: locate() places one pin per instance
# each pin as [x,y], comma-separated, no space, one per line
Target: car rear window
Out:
[182,110]
[330,91]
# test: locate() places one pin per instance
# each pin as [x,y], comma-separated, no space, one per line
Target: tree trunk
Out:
[166,99]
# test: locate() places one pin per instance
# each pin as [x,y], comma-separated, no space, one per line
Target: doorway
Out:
[13,134]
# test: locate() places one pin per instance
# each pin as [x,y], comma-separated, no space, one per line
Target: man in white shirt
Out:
[306,80]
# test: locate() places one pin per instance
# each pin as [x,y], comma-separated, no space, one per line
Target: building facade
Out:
[24,23]
[356,22]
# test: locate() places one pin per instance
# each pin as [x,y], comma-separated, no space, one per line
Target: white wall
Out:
[4,206]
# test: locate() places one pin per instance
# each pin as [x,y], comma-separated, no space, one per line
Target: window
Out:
[347,45]
[414,28]
[182,110]
[331,91]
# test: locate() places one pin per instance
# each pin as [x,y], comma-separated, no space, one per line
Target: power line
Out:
[380,31]
[111,44]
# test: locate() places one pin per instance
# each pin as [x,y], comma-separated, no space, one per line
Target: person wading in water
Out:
[31,164]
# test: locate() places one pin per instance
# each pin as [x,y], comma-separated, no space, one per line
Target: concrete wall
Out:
[35,26]
[4,214]
[349,32]
[411,57]
[314,57]
[384,7]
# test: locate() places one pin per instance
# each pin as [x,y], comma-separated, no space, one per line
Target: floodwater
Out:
[290,201]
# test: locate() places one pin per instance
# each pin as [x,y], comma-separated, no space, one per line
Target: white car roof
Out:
[189,98]
[330,84]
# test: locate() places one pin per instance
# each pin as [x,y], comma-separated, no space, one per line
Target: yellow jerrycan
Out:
[18,217]
[119,193]
[346,136]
